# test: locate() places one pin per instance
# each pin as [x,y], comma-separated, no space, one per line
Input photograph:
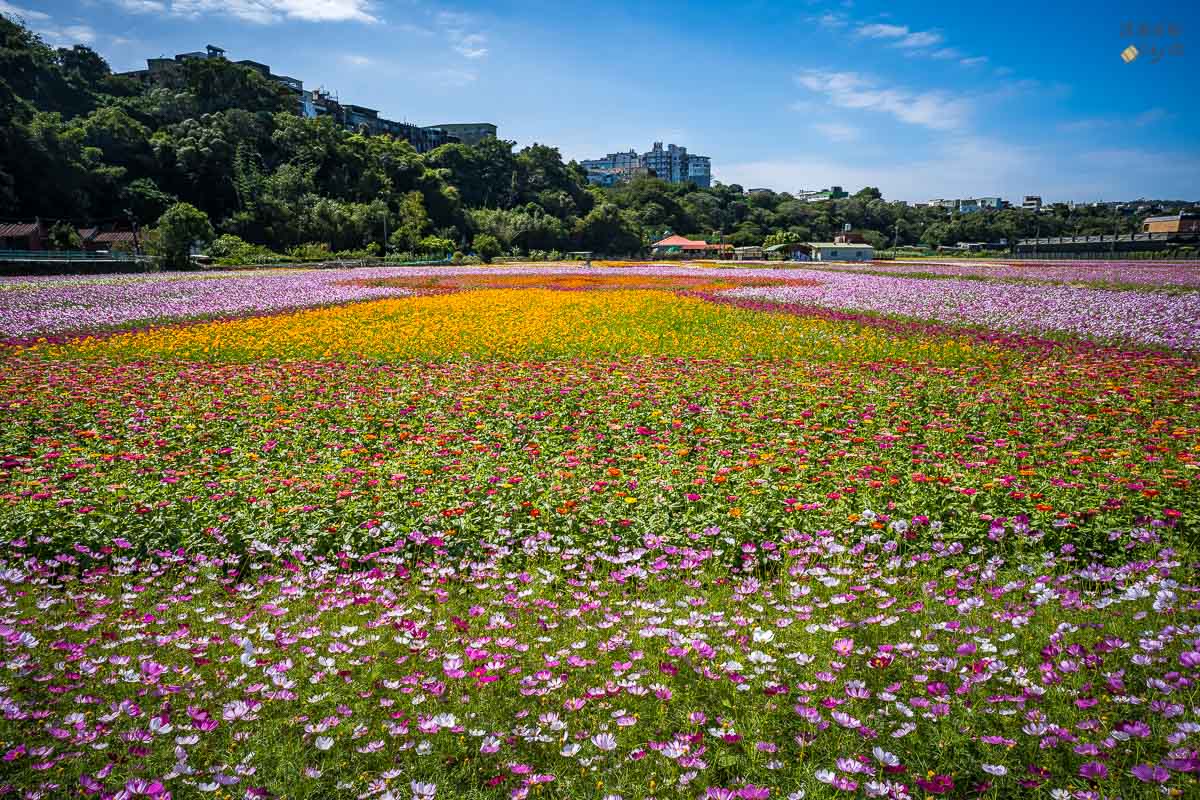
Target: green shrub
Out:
[231,250]
[181,226]
[487,247]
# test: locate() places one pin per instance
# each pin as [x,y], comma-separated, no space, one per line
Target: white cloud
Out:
[879,31]
[28,15]
[936,110]
[76,34]
[53,33]
[467,43]
[142,6]
[453,19]
[837,131]
[1150,116]
[260,11]
[830,20]
[357,60]
[915,43]
[920,39]
[902,36]
[471,45]
[973,167]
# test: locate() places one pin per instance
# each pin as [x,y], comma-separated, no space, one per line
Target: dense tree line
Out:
[81,144]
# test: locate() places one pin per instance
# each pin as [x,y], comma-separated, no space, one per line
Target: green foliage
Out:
[310,251]
[63,236]
[436,246]
[487,247]
[144,200]
[178,228]
[607,230]
[85,145]
[410,221]
[779,237]
[220,85]
[230,250]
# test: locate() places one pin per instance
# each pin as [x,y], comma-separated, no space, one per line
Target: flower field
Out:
[636,532]
[1154,274]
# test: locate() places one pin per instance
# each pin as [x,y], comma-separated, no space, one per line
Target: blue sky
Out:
[922,100]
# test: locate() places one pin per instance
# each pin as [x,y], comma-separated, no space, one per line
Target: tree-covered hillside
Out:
[84,146]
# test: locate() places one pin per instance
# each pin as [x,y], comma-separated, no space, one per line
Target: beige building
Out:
[1175,223]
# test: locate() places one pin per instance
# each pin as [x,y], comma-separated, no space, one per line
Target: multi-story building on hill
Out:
[317,102]
[671,163]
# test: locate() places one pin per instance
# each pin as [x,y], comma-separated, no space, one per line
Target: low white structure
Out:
[840,251]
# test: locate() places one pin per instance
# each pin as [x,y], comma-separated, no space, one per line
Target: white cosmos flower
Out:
[323,742]
[885,758]
[248,659]
[604,741]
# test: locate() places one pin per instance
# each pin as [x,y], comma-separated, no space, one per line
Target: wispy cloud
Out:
[29,15]
[143,6]
[453,19]
[1150,116]
[937,110]
[900,35]
[52,31]
[471,45]
[462,31]
[357,60]
[831,20]
[262,12]
[838,131]
[912,42]
[974,166]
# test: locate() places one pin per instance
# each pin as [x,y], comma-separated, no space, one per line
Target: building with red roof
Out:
[23,235]
[681,245]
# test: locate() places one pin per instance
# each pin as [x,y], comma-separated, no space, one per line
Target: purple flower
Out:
[1150,774]
[938,784]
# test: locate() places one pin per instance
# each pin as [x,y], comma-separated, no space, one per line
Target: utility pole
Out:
[1113,249]
[133,225]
